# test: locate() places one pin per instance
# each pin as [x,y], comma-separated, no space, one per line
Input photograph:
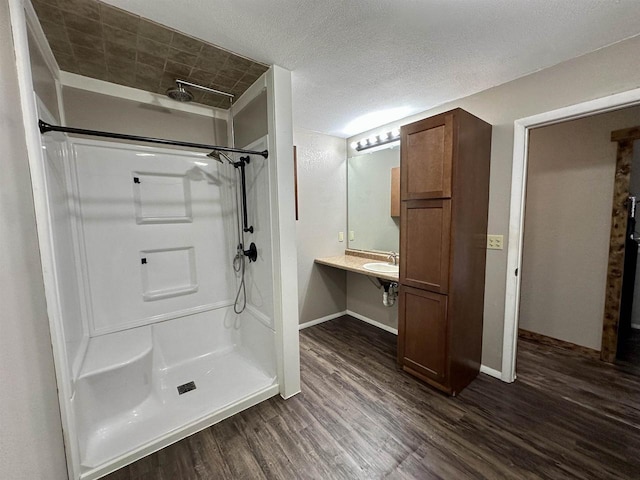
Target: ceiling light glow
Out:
[375,119]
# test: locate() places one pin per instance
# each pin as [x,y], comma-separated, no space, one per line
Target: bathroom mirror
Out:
[373,224]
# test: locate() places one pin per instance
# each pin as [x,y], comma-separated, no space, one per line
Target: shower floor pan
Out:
[222,380]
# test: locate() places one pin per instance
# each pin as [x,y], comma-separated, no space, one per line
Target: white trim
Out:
[112,89]
[82,268]
[283,228]
[320,320]
[635,326]
[40,38]
[182,432]
[375,323]
[45,242]
[61,110]
[45,114]
[492,372]
[518,195]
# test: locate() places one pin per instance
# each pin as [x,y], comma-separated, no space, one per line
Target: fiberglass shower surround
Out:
[217,154]
[145,240]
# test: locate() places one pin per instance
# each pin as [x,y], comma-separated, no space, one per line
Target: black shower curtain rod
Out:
[46,127]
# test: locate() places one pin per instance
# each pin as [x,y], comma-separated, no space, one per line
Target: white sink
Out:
[381,267]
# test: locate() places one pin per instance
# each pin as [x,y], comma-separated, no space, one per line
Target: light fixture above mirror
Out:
[377,140]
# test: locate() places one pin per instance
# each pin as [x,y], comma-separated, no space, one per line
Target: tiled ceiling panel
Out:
[97,40]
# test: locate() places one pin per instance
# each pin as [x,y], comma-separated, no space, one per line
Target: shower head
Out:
[218,155]
[179,93]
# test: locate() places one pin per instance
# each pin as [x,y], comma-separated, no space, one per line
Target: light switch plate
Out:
[494,242]
[352,235]
[341,236]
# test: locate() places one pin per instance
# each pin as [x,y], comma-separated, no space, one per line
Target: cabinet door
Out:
[425,231]
[426,158]
[422,333]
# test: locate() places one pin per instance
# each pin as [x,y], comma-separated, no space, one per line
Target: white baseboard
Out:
[384,327]
[635,326]
[362,318]
[318,321]
[492,372]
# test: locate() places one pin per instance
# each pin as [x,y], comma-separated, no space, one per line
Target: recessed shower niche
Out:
[168,273]
[161,198]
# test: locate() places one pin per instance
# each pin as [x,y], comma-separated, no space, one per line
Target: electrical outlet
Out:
[494,242]
[341,236]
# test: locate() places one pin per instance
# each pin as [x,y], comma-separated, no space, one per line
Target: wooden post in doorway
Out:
[615,270]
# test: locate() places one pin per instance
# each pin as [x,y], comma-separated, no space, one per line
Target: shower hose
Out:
[238,267]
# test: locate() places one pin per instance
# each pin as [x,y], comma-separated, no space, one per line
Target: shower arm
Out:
[46,127]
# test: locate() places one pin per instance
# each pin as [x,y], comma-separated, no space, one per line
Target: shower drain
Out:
[186,387]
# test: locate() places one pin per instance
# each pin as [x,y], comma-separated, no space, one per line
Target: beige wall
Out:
[251,123]
[365,299]
[85,109]
[322,201]
[609,70]
[31,445]
[567,224]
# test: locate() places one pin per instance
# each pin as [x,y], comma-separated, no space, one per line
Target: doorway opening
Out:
[621,338]
[574,247]
[522,130]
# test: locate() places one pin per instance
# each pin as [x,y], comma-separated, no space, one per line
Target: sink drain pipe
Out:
[389,293]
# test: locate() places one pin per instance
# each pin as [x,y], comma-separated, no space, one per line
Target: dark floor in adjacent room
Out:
[628,357]
[358,417]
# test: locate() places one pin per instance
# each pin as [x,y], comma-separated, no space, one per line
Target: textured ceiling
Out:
[97,40]
[383,60]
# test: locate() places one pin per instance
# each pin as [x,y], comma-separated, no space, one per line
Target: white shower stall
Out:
[144,240]
[157,344]
[156,332]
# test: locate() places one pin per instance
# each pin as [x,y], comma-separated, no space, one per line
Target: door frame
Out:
[521,129]
[624,139]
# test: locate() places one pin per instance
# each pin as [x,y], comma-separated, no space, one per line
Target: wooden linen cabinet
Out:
[444,193]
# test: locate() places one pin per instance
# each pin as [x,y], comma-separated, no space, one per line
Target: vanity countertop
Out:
[354,261]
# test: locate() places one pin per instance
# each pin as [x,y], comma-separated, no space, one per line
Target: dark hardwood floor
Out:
[358,417]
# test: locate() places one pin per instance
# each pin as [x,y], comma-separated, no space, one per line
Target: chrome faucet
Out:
[393,257]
